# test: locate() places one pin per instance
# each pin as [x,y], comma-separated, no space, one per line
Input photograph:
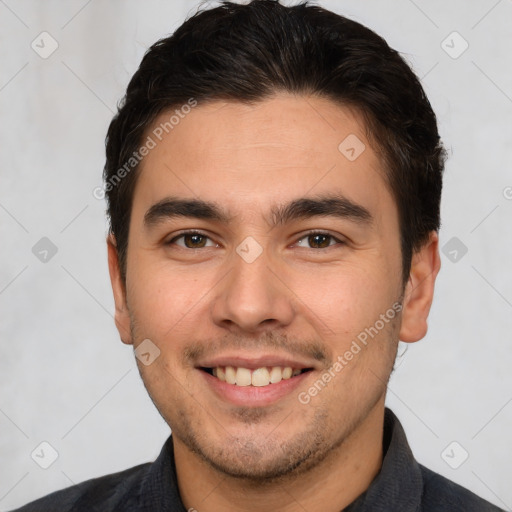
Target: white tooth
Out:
[276,375]
[243,377]
[295,372]
[230,374]
[214,371]
[220,374]
[287,372]
[260,377]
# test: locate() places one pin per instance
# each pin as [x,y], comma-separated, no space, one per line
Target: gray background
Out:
[65,378]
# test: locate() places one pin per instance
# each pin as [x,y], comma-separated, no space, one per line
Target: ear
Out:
[419,290]
[122,317]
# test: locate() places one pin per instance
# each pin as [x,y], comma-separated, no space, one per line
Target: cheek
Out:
[344,299]
[164,300]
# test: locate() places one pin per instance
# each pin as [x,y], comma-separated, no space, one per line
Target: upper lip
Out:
[260,361]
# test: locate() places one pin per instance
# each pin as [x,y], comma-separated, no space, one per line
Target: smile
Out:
[258,377]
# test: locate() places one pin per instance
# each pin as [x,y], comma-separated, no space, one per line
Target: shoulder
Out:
[439,494]
[104,493]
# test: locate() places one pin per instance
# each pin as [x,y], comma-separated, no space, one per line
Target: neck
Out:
[331,485]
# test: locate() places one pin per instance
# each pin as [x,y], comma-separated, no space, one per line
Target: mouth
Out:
[255,380]
[254,377]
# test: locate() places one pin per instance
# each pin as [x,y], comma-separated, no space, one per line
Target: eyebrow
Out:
[330,205]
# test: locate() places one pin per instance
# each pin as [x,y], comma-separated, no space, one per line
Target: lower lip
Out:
[253,396]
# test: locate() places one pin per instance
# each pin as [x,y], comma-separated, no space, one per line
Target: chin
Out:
[260,456]
[262,465]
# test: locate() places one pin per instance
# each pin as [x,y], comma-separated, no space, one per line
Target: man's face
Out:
[255,294]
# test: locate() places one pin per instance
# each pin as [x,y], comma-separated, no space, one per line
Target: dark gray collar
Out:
[399,484]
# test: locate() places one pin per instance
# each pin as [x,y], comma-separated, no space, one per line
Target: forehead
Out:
[253,157]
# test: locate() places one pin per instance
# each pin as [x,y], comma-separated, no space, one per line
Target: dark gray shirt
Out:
[402,485]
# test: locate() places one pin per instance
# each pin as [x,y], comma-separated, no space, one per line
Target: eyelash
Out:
[305,235]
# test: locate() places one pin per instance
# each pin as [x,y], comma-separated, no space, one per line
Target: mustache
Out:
[267,342]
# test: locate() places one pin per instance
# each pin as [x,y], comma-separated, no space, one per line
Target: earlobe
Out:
[122,317]
[419,290]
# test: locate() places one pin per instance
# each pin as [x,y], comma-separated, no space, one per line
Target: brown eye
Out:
[318,240]
[192,240]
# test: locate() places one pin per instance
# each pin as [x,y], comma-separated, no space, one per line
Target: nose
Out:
[253,297]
